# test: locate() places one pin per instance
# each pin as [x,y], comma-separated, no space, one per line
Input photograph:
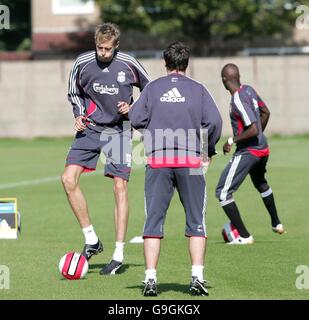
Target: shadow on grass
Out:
[168,287]
[93,268]
[224,244]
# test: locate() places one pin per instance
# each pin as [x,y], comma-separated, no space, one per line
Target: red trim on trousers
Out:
[259,153]
[86,169]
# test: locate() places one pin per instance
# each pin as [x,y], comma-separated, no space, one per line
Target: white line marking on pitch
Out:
[26,183]
[34,182]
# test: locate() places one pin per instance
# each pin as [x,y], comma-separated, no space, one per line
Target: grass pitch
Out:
[30,170]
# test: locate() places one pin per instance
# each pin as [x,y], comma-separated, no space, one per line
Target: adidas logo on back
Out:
[172,96]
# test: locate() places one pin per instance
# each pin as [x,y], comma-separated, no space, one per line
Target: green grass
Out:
[265,270]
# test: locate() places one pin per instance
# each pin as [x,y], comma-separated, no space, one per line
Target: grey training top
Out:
[174,109]
[95,88]
[245,110]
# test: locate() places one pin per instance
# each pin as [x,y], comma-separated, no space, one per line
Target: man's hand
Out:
[80,124]
[206,161]
[123,107]
[227,147]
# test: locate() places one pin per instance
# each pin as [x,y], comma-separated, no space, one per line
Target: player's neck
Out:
[176,72]
[234,88]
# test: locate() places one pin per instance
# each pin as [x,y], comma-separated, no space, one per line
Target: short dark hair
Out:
[176,56]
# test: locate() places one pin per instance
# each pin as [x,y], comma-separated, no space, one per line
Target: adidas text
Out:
[172,99]
[172,96]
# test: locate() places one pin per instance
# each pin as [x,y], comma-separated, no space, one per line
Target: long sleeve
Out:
[75,92]
[143,77]
[211,121]
[139,112]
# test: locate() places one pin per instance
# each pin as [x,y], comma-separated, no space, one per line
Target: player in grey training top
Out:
[245,110]
[100,90]
[173,110]
[97,85]
[177,107]
[249,116]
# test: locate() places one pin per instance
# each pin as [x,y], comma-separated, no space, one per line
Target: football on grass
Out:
[73,266]
[229,232]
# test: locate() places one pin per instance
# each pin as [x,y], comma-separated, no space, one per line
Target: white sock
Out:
[90,235]
[118,253]
[151,274]
[197,271]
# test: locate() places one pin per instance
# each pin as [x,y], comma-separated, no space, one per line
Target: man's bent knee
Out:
[120,186]
[218,194]
[69,182]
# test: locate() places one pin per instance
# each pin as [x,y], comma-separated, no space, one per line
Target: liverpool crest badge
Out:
[121,76]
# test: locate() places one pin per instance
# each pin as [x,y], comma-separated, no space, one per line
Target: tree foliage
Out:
[202,21]
[19,34]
